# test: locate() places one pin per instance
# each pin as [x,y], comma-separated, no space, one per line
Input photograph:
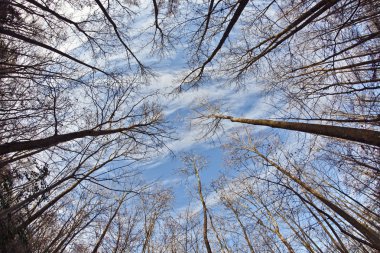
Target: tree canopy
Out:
[83,112]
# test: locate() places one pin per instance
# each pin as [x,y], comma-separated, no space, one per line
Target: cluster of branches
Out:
[318,62]
[72,127]
[320,57]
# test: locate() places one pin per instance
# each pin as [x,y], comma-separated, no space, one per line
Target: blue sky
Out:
[178,112]
[249,102]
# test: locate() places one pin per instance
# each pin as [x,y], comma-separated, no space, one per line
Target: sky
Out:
[249,102]
[163,170]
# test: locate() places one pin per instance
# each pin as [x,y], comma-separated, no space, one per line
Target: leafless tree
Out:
[193,164]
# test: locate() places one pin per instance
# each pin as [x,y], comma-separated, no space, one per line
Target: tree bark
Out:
[57,139]
[346,133]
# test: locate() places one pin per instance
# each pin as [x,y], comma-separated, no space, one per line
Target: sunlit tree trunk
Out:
[370,137]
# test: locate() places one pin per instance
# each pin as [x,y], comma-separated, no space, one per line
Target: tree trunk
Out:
[57,139]
[346,133]
[100,240]
[367,232]
[205,237]
[236,214]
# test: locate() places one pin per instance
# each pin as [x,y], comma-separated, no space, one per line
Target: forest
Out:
[189,126]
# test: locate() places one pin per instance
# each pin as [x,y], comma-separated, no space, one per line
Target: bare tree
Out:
[193,164]
[344,209]
[69,124]
[352,134]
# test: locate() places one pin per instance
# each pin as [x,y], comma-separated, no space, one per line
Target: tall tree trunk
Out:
[105,230]
[222,244]
[57,139]
[205,237]
[346,133]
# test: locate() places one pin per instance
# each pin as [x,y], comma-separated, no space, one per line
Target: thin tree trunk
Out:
[50,48]
[369,233]
[276,229]
[223,246]
[149,232]
[304,242]
[339,244]
[47,189]
[100,240]
[245,234]
[60,196]
[205,237]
